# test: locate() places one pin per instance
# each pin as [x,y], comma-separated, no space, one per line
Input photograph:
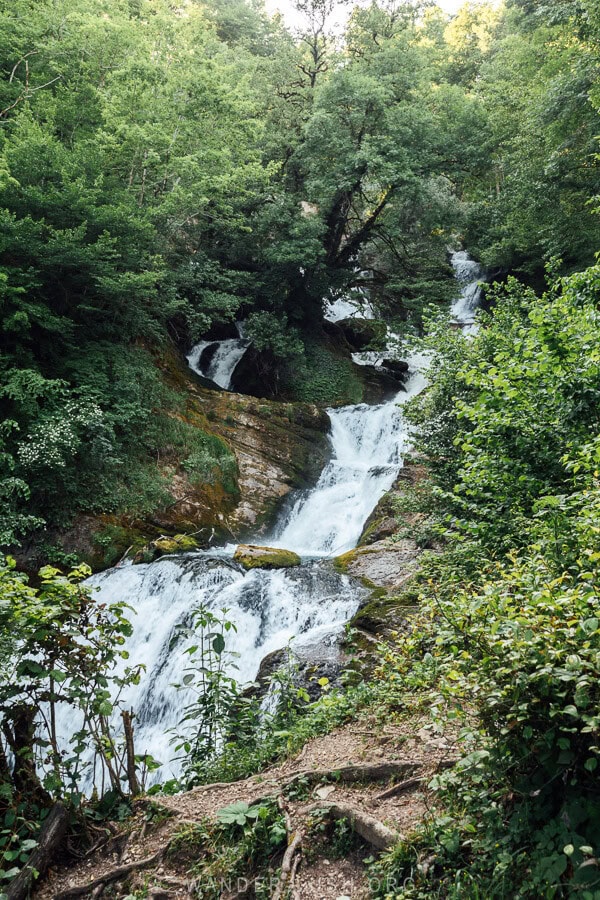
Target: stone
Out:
[165,545]
[252,556]
[362,333]
[324,792]
[396,365]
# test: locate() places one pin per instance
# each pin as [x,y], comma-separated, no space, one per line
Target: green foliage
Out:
[226,733]
[245,841]
[506,407]
[505,649]
[60,649]
[323,377]
[535,77]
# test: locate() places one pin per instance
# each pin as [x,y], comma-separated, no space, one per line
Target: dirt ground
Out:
[411,749]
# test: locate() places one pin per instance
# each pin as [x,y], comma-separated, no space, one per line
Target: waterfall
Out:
[367,447]
[309,604]
[217,360]
[469,275]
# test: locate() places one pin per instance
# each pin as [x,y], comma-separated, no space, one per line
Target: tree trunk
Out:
[51,837]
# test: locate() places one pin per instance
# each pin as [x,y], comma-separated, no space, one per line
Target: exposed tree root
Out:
[291,857]
[373,831]
[399,788]
[112,875]
[50,839]
[356,773]
[370,829]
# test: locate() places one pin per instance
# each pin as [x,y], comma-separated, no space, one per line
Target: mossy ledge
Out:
[252,556]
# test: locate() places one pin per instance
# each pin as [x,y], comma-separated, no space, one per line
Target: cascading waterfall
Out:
[309,604]
[217,360]
[469,275]
[269,608]
[367,444]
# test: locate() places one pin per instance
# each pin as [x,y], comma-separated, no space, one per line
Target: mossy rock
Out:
[163,546]
[179,543]
[251,556]
[341,563]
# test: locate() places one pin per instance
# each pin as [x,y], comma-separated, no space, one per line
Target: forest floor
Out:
[376,774]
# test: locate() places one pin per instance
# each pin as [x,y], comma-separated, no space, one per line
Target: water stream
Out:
[469,275]
[309,604]
[216,360]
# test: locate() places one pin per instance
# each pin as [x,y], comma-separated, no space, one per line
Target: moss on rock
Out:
[251,556]
[179,543]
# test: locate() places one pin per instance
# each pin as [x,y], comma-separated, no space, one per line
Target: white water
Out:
[353,305]
[222,364]
[469,275]
[347,308]
[368,443]
[310,603]
[268,608]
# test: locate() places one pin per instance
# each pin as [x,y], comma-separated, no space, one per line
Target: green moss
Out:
[112,542]
[383,612]
[252,557]
[323,377]
[179,543]
[342,563]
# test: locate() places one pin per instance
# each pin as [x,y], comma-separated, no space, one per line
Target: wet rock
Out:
[254,374]
[363,333]
[314,667]
[391,512]
[162,546]
[207,356]
[398,366]
[386,564]
[252,556]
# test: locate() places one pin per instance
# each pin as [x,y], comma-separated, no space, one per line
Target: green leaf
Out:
[218,644]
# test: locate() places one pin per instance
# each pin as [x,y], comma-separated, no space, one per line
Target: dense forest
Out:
[168,170]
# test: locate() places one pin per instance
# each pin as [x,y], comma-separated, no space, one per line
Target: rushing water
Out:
[469,275]
[309,604]
[268,608]
[217,360]
[368,443]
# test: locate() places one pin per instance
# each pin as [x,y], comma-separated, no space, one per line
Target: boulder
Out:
[251,556]
[314,667]
[254,374]
[165,545]
[399,366]
[363,333]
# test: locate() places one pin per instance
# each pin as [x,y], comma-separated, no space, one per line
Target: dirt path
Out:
[407,750]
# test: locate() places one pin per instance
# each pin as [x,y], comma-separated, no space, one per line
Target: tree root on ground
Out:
[374,832]
[370,829]
[112,875]
[291,857]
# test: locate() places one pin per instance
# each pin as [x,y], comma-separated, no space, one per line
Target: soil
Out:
[359,743]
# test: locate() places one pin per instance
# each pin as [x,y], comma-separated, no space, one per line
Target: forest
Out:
[183,173]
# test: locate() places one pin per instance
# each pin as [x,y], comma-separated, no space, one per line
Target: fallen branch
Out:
[370,829]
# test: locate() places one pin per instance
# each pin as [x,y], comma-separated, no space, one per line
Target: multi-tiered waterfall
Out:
[269,607]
